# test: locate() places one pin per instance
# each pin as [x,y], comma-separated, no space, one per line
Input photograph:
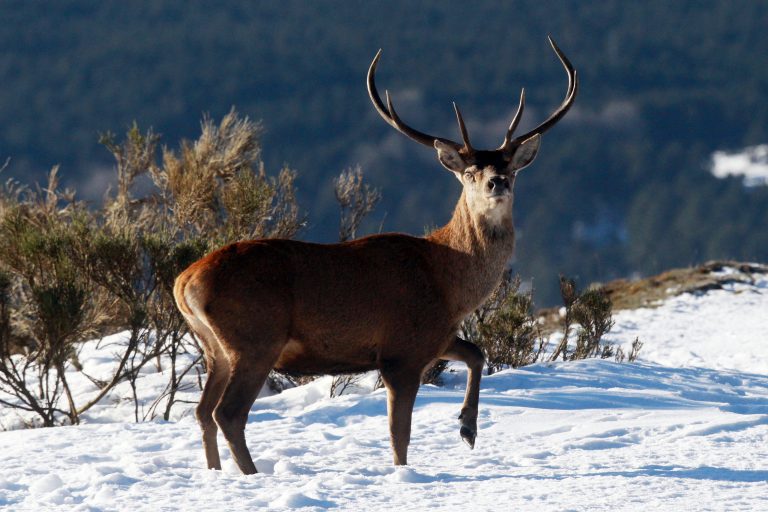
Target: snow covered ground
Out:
[685,428]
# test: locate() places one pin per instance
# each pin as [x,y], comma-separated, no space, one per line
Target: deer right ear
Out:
[450,157]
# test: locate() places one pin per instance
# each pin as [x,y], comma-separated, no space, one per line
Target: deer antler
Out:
[390,115]
[570,96]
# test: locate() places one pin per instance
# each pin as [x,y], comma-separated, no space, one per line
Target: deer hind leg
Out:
[231,414]
[214,387]
[218,372]
[402,387]
[468,353]
[251,360]
[217,368]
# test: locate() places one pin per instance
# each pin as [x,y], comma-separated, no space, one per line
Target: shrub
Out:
[68,273]
[47,300]
[433,374]
[356,200]
[633,352]
[505,328]
[592,311]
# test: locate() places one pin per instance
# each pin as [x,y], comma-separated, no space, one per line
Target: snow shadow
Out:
[606,384]
[700,473]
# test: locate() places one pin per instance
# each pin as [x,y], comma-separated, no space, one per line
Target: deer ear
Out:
[525,153]
[449,157]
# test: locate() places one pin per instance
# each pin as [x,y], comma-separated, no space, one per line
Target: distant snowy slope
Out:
[685,428]
[722,328]
[751,163]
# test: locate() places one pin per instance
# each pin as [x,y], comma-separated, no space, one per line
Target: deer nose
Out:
[498,184]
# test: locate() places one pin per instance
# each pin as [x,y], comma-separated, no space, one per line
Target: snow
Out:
[751,163]
[685,427]
[721,329]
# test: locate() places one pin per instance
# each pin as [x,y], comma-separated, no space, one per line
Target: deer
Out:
[389,302]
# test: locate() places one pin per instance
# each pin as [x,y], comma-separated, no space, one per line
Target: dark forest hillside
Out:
[621,186]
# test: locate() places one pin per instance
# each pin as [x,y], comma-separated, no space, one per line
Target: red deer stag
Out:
[390,302]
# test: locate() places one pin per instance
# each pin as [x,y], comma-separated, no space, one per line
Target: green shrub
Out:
[591,310]
[505,328]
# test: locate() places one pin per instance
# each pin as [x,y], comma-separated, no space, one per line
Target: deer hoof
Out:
[468,435]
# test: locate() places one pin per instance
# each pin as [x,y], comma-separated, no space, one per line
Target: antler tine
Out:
[515,121]
[463,130]
[390,116]
[373,93]
[403,128]
[570,96]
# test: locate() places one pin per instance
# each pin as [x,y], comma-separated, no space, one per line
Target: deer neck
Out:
[473,252]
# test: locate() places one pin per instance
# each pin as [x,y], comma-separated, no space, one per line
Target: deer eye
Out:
[469,175]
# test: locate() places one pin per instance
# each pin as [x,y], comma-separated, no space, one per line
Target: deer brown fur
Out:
[390,302]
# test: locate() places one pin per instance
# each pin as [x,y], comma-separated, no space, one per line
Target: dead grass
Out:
[651,291]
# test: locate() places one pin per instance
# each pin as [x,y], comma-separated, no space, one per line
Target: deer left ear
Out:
[525,153]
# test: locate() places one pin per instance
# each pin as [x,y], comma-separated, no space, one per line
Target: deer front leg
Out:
[468,353]
[402,388]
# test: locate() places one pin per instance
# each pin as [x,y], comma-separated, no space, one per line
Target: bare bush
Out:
[633,352]
[510,337]
[507,330]
[341,383]
[212,192]
[33,388]
[356,200]
[569,295]
[167,260]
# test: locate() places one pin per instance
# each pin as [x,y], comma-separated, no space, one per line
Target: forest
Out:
[621,188]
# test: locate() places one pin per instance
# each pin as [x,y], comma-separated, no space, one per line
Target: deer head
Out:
[486,175]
